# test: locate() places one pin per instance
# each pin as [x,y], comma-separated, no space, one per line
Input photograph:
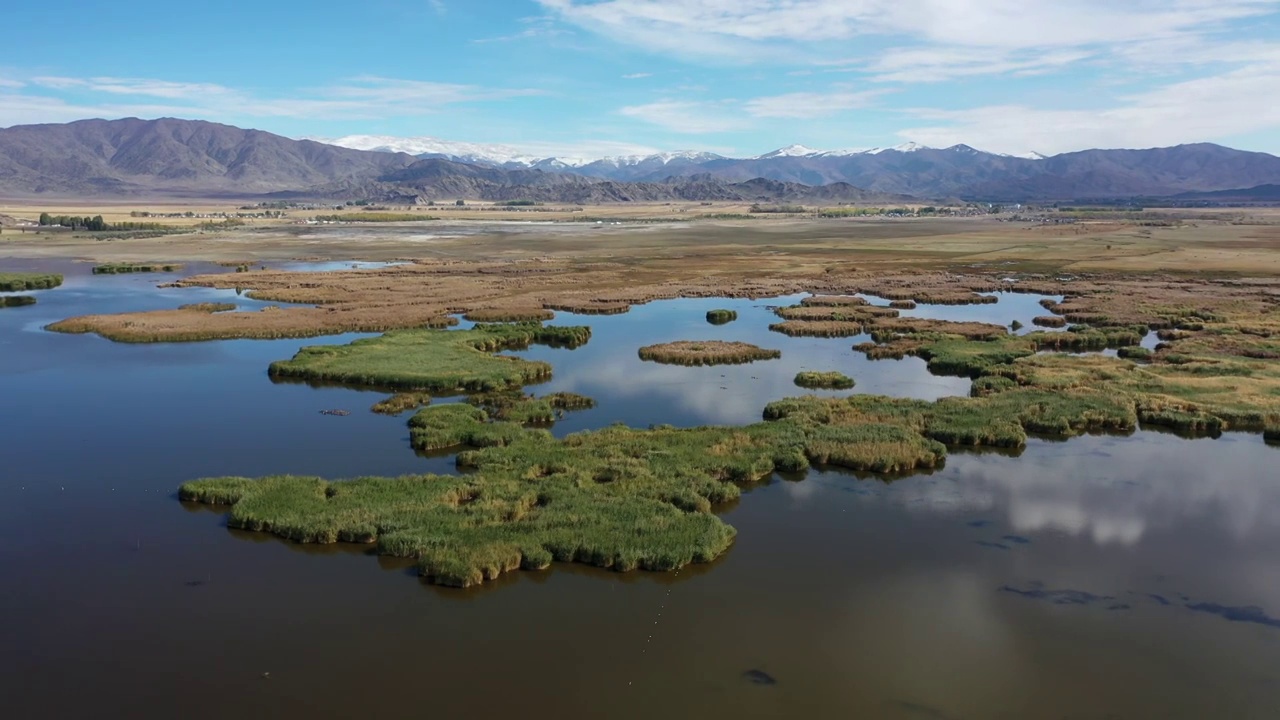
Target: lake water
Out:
[1102,577]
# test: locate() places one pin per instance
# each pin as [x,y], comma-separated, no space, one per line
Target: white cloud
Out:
[808,105]
[937,64]
[1232,103]
[636,76]
[982,23]
[686,116]
[365,97]
[928,40]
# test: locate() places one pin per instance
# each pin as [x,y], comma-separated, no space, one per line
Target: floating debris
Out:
[338,413]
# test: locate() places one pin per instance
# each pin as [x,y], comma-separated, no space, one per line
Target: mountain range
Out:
[133,157]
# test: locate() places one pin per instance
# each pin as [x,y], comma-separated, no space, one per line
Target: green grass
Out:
[124,268]
[616,498]
[7,301]
[721,317]
[20,282]
[209,307]
[439,361]
[400,402]
[829,380]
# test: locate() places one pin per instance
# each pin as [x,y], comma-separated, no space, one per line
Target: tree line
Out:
[93,224]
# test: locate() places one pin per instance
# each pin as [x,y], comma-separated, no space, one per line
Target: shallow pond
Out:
[1099,577]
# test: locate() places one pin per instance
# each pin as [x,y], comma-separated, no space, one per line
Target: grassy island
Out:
[818,328]
[721,317]
[828,380]
[615,498]
[21,282]
[622,498]
[126,268]
[440,361]
[7,301]
[706,352]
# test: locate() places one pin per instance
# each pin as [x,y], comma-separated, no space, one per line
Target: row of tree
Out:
[93,224]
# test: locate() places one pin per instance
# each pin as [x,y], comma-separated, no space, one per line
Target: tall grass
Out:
[706,352]
[829,380]
[721,317]
[125,268]
[20,282]
[7,301]
[440,361]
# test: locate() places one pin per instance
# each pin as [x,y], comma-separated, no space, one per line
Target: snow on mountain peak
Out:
[790,151]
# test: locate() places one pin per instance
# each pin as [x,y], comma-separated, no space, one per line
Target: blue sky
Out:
[597,77]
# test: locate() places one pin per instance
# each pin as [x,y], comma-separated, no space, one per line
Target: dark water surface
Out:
[1104,577]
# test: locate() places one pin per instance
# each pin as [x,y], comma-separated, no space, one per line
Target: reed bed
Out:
[1049,321]
[837,313]
[706,352]
[721,317]
[826,380]
[401,402]
[886,329]
[439,361]
[903,304]
[616,498]
[1272,433]
[126,268]
[208,307]
[1084,339]
[818,328]
[1134,352]
[590,308]
[513,314]
[834,301]
[22,282]
[8,301]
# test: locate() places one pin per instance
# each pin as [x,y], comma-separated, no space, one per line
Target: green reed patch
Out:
[721,317]
[401,402]
[829,380]
[126,268]
[616,498]
[21,282]
[209,307]
[7,301]
[440,361]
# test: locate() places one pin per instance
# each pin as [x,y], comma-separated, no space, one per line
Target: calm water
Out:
[1103,577]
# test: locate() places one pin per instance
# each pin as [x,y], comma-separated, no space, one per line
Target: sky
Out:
[614,77]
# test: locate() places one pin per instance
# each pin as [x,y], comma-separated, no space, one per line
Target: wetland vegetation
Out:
[706,352]
[125,268]
[439,361]
[721,317]
[828,380]
[22,281]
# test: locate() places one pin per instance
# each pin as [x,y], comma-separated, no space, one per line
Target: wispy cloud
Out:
[535,27]
[364,97]
[928,39]
[684,116]
[807,105]
[1232,103]
[636,76]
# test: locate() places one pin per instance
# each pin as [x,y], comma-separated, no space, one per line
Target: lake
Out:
[1103,576]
